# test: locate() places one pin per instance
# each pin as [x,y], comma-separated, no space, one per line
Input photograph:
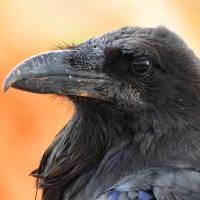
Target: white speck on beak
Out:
[18,72]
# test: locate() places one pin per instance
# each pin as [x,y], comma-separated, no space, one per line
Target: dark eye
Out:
[141,66]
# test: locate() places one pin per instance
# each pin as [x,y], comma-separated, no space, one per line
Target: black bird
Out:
[135,133]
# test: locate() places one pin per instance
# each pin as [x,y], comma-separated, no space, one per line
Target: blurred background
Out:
[28,122]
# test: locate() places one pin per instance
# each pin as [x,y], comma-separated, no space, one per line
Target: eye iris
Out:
[141,66]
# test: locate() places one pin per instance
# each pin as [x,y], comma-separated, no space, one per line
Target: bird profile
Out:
[135,131]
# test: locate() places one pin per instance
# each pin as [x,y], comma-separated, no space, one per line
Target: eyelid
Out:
[142,60]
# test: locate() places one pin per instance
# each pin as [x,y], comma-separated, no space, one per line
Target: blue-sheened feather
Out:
[114,195]
[142,195]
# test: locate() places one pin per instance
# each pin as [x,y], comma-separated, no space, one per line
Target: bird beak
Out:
[51,73]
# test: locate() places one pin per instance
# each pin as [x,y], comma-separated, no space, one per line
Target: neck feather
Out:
[78,147]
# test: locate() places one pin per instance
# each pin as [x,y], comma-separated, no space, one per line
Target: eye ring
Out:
[141,66]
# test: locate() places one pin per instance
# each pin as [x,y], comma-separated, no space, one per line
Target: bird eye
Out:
[141,66]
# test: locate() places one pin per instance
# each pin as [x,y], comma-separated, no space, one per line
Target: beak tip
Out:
[9,81]
[6,85]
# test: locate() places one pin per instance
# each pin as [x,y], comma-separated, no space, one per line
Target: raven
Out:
[135,132]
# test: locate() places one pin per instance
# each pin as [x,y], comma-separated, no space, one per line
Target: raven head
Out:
[144,83]
[130,68]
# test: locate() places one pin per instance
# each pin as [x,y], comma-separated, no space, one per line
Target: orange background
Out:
[28,122]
